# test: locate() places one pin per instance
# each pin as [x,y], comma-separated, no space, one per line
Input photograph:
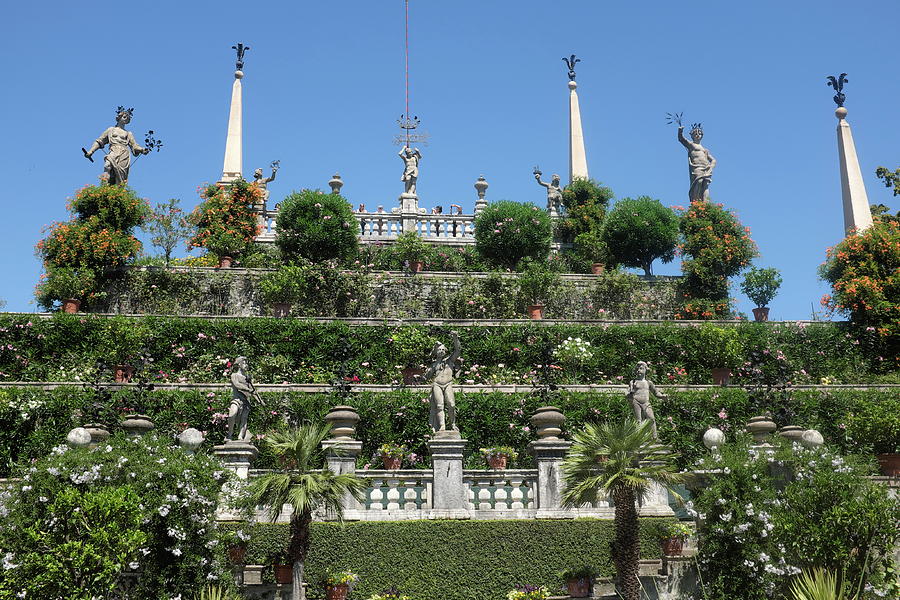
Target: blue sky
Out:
[324,87]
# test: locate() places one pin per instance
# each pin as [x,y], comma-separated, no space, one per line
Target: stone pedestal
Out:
[340,457]
[549,454]
[448,490]
[655,503]
[237,456]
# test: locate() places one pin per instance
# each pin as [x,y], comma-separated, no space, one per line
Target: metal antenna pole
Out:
[407,69]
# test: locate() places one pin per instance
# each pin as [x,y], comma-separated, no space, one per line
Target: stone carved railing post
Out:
[549,450]
[448,490]
[341,449]
[481,186]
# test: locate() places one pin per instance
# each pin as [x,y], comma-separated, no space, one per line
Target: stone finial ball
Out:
[812,438]
[572,85]
[713,438]
[190,439]
[78,438]
[238,74]
[841,112]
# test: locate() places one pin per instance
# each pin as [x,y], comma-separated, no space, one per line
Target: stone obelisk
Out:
[577,158]
[233,166]
[857,215]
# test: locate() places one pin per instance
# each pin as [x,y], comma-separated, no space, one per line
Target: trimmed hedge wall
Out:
[451,560]
[33,421]
[65,348]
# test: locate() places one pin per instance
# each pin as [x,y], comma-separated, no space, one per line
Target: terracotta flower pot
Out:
[225,262]
[721,376]
[536,311]
[416,266]
[337,592]
[284,574]
[672,546]
[391,463]
[596,269]
[497,461]
[71,305]
[579,588]
[123,373]
[236,554]
[761,314]
[890,464]
[281,309]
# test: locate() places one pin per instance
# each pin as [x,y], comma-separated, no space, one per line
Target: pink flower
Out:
[723,414]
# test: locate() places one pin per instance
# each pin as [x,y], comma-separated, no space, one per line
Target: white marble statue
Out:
[410,176]
[700,163]
[122,144]
[442,394]
[639,390]
[242,396]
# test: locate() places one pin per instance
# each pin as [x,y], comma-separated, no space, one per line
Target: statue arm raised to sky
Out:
[122,144]
[700,163]
[410,175]
[554,191]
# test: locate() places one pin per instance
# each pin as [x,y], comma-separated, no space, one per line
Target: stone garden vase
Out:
[281,309]
[579,588]
[761,313]
[721,376]
[123,373]
[391,463]
[536,311]
[597,269]
[225,262]
[337,592]
[890,464]
[497,461]
[99,433]
[760,427]
[71,305]
[284,574]
[137,425]
[672,546]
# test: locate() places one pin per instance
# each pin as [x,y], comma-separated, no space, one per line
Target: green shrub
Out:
[115,207]
[316,226]
[168,227]
[535,282]
[585,201]
[410,247]
[639,231]
[225,221]
[281,285]
[506,232]
[63,283]
[761,285]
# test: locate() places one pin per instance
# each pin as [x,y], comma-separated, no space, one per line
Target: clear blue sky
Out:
[324,87]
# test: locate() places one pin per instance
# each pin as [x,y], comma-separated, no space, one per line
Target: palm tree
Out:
[304,484]
[611,460]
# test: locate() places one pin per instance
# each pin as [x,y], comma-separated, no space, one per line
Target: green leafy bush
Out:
[316,226]
[761,285]
[168,227]
[506,232]
[225,221]
[639,231]
[410,246]
[585,201]
[115,207]
[63,283]
[535,282]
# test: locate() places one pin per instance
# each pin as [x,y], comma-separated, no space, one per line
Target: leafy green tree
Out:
[225,222]
[316,226]
[611,459]
[168,227]
[639,231]
[304,484]
[890,178]
[585,201]
[506,232]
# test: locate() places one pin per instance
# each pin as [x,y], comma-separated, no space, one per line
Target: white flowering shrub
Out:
[764,518]
[573,353]
[80,518]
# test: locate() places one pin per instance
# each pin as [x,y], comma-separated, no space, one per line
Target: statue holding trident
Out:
[263,182]
[122,144]
[639,390]
[243,393]
[442,395]
[410,175]
[700,162]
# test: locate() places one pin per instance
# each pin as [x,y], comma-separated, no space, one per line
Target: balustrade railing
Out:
[403,490]
[511,489]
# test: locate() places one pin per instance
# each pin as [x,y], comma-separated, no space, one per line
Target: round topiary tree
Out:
[316,226]
[585,201]
[225,222]
[506,232]
[638,231]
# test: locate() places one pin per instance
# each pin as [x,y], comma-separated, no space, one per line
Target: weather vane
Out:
[408,124]
[240,48]
[838,85]
[570,62]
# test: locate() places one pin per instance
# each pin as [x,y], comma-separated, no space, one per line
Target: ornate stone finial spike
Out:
[838,85]
[240,49]
[570,62]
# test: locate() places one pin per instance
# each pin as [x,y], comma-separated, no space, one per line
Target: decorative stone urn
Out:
[812,439]
[99,433]
[713,438]
[137,425]
[792,432]
[760,427]
[548,421]
[343,420]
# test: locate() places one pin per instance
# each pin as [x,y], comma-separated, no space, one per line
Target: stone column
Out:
[481,186]
[549,450]
[342,449]
[409,211]
[853,189]
[577,158]
[448,490]
[233,166]
[236,455]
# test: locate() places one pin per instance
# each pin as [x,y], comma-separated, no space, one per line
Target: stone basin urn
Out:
[137,425]
[548,421]
[343,420]
[760,427]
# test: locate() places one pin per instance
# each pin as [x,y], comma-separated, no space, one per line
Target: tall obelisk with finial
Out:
[234,153]
[577,158]
[857,215]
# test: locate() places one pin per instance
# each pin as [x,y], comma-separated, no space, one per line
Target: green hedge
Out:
[65,347]
[33,421]
[452,560]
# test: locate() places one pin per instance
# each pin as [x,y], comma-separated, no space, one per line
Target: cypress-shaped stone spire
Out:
[577,157]
[857,215]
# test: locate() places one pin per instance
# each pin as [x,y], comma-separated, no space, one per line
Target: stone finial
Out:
[336,184]
[343,420]
[811,439]
[548,421]
[481,186]
[190,439]
[713,438]
[78,438]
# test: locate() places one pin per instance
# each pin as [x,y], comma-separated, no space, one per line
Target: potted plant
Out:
[280,289]
[579,580]
[409,346]
[236,542]
[761,285]
[498,456]
[591,246]
[392,455]
[123,347]
[723,350]
[338,584]
[528,592]
[391,593]
[672,537]
[877,426]
[535,282]
[225,222]
[411,249]
[284,571]
[67,285]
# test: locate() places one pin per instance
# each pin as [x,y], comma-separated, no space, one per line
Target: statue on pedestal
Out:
[411,160]
[554,192]
[263,182]
[122,144]
[639,390]
[700,162]
[442,394]
[242,395]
